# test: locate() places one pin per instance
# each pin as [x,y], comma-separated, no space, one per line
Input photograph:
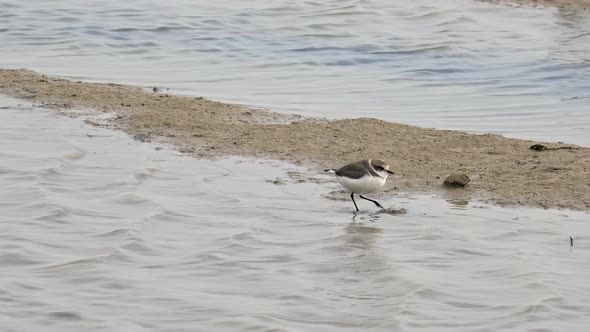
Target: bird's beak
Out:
[390,172]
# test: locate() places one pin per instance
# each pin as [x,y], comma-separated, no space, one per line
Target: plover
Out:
[363,177]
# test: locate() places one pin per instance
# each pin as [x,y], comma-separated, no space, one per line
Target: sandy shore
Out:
[502,170]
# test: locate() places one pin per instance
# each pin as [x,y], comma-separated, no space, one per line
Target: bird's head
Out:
[381,167]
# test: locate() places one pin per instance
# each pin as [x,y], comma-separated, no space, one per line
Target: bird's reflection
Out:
[365,259]
[359,233]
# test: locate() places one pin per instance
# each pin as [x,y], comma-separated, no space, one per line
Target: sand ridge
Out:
[502,170]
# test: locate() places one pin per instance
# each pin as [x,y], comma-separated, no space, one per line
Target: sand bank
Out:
[502,170]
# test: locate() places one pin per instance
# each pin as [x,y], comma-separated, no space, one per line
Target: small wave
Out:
[160,29]
[586,34]
[147,173]
[436,71]
[133,45]
[131,198]
[417,50]
[67,19]
[316,49]
[9,258]
[78,263]
[575,98]
[347,10]
[431,14]
[57,215]
[137,247]
[462,19]
[467,305]
[122,232]
[65,315]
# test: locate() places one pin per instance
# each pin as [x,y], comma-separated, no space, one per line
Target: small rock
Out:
[187,150]
[393,211]
[458,202]
[142,137]
[277,181]
[456,180]
[538,147]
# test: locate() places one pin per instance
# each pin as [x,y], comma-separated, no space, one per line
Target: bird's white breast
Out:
[366,184]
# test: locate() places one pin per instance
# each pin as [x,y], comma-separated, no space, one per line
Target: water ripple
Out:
[493,53]
[113,235]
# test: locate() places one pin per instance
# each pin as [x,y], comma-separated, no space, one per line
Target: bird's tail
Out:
[330,171]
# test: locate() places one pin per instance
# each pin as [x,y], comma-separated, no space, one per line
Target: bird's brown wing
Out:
[353,170]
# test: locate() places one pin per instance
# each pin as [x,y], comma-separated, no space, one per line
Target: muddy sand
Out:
[502,170]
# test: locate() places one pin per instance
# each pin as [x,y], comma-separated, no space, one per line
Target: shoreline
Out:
[503,170]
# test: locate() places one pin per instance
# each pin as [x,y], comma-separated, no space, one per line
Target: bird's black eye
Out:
[379,168]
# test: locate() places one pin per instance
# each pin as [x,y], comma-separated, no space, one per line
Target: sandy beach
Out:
[502,170]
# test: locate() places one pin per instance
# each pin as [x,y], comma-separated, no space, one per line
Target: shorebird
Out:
[363,177]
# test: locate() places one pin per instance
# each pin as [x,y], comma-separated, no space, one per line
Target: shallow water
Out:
[459,64]
[102,233]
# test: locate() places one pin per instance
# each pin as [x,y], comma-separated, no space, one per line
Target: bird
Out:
[363,177]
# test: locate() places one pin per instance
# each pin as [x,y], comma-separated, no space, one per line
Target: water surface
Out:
[460,64]
[102,233]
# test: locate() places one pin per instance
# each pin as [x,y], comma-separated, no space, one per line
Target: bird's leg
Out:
[352,196]
[371,200]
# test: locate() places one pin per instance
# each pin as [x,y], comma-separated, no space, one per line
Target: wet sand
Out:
[502,170]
